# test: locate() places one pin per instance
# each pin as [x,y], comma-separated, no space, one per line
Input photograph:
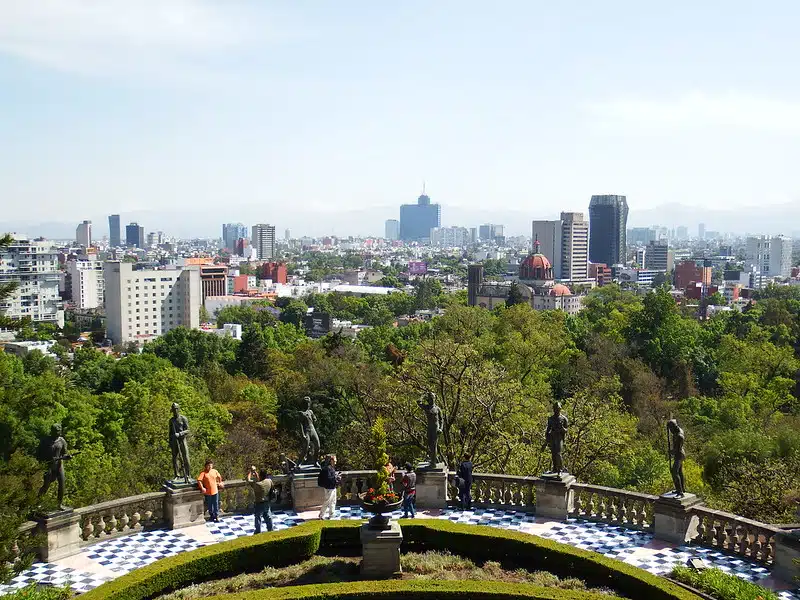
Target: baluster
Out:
[111,523]
[601,508]
[99,527]
[702,525]
[745,541]
[124,520]
[135,518]
[507,495]
[88,528]
[720,538]
[517,496]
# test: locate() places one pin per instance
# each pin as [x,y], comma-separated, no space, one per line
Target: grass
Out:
[431,565]
[721,585]
[34,592]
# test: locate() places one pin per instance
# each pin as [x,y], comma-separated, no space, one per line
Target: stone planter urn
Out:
[381,511]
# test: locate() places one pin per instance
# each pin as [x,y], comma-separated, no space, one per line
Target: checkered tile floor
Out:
[125,554]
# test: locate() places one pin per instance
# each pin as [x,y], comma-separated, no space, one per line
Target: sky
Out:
[319,115]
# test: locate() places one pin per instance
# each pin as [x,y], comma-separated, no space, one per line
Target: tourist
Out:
[328,479]
[390,469]
[210,482]
[409,492]
[262,490]
[464,475]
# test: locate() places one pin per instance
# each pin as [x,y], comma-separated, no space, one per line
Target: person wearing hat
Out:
[179,443]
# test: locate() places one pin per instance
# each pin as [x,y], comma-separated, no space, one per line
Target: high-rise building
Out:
[491,232]
[134,236]
[86,283]
[474,280]
[417,220]
[33,266]
[392,229]
[232,232]
[450,237]
[658,256]
[769,256]
[682,232]
[155,238]
[113,231]
[574,246]
[83,234]
[213,280]
[287,235]
[473,235]
[701,231]
[263,240]
[142,305]
[548,236]
[608,218]
[641,235]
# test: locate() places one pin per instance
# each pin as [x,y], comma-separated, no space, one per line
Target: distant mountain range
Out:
[771,219]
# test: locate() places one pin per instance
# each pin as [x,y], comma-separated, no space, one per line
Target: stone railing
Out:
[736,535]
[120,517]
[354,483]
[237,496]
[509,492]
[610,505]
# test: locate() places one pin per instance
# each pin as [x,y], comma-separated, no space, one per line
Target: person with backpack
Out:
[262,494]
[328,478]
[464,482]
[409,482]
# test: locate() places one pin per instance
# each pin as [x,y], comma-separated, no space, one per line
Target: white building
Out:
[33,265]
[769,256]
[565,242]
[87,283]
[83,234]
[450,237]
[392,229]
[263,240]
[142,305]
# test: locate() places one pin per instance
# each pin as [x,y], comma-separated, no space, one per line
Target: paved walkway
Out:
[109,559]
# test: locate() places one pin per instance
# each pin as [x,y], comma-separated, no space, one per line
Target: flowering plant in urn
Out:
[380,498]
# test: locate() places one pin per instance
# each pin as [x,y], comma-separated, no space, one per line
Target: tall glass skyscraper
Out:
[417,220]
[113,231]
[608,219]
[231,232]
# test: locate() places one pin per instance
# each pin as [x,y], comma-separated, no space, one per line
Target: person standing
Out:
[262,507]
[210,482]
[464,475]
[409,492]
[328,480]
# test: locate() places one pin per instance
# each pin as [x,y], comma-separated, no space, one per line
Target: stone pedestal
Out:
[786,564]
[554,497]
[306,494]
[62,535]
[381,551]
[674,521]
[432,488]
[183,506]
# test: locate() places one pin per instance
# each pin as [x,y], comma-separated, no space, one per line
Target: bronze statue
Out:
[178,442]
[555,436]
[55,472]
[676,456]
[287,464]
[434,416]
[310,454]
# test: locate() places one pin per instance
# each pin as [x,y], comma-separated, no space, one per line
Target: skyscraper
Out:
[134,236]
[608,218]
[417,220]
[232,232]
[574,246]
[548,234]
[770,256]
[113,231]
[392,229]
[83,234]
[263,240]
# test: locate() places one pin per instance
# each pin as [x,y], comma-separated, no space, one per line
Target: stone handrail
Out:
[354,483]
[236,495]
[513,492]
[121,516]
[611,505]
[732,533]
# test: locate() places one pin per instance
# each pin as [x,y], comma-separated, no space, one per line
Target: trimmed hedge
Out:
[278,549]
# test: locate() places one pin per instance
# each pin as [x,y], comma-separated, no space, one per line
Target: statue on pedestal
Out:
[178,442]
[555,435]
[676,456]
[310,454]
[55,472]
[434,416]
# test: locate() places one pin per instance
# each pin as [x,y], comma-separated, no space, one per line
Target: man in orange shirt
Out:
[210,481]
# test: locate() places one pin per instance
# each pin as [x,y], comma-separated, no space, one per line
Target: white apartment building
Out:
[769,256]
[263,240]
[565,243]
[83,234]
[142,305]
[87,283]
[33,265]
[450,237]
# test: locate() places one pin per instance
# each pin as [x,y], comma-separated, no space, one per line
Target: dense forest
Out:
[621,368]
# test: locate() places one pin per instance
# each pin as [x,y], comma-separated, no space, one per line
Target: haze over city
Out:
[324,118]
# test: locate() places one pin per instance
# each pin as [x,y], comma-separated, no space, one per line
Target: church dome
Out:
[560,289]
[536,267]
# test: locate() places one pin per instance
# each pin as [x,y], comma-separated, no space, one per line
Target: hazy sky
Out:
[259,110]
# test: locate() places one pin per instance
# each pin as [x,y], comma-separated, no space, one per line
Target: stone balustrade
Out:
[237,496]
[511,492]
[736,535]
[121,516]
[610,505]
[354,483]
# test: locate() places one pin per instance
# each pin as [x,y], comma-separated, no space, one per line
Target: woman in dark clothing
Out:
[464,475]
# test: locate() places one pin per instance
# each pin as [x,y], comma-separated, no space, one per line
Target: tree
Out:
[514,295]
[294,313]
[7,289]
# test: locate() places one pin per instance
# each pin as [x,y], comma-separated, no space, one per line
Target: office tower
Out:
[608,218]
[113,231]
[474,281]
[574,247]
[232,232]
[87,283]
[769,256]
[490,232]
[548,236]
[473,235]
[83,234]
[33,266]
[701,231]
[213,280]
[263,240]
[142,305]
[658,256]
[242,247]
[134,236]
[392,229]
[682,232]
[641,235]
[417,220]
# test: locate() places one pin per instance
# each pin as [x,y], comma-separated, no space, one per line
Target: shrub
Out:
[722,585]
[34,592]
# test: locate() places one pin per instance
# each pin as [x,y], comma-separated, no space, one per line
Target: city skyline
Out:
[553,105]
